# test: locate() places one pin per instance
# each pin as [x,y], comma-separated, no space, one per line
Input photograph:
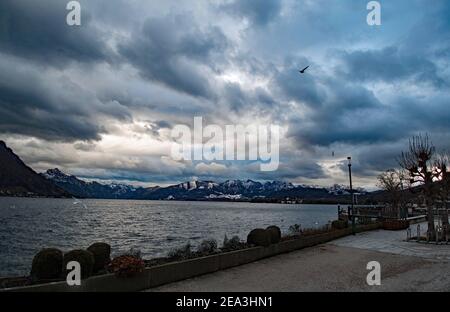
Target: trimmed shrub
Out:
[47,264]
[339,224]
[259,237]
[84,258]
[102,255]
[274,233]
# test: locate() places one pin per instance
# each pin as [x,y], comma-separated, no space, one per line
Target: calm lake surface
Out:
[154,227]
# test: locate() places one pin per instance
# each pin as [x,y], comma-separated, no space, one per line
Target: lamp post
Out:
[351,193]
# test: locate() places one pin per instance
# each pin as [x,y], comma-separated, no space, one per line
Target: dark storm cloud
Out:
[174,52]
[338,118]
[259,12]
[38,30]
[302,89]
[50,108]
[389,65]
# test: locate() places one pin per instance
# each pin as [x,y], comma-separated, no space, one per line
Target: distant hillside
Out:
[17,179]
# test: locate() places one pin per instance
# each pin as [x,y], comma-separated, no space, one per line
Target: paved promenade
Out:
[395,243]
[337,266]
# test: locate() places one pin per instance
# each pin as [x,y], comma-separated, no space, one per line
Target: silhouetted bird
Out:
[303,70]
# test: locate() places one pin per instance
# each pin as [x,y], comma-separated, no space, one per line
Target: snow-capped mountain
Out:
[339,189]
[190,190]
[234,190]
[80,188]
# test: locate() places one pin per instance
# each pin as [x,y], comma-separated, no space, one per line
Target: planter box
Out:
[395,225]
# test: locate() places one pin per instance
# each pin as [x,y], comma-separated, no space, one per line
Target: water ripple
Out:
[154,227]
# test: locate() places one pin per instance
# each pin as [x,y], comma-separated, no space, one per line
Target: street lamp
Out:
[351,192]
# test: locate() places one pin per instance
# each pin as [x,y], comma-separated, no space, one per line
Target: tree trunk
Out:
[430,215]
[445,223]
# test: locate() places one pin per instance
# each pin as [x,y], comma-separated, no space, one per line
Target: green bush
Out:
[84,258]
[102,255]
[47,264]
[259,237]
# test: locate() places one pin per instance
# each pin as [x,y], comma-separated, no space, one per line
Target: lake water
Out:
[154,227]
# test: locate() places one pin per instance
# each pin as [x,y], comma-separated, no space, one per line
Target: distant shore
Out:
[342,201]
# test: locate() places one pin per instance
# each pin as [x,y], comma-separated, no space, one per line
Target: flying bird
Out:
[303,70]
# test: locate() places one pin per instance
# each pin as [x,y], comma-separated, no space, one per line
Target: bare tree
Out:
[393,182]
[417,163]
[442,173]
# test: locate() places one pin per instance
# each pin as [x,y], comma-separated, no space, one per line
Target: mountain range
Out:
[17,179]
[192,190]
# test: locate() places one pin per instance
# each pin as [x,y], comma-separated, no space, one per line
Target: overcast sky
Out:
[99,100]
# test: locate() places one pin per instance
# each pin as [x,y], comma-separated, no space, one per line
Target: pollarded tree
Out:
[417,162]
[393,182]
[442,173]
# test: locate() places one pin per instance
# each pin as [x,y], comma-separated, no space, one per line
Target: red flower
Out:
[126,266]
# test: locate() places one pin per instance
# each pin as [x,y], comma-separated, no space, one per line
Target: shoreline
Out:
[305,202]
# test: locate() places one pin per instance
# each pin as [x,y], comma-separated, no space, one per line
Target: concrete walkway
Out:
[395,243]
[337,266]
